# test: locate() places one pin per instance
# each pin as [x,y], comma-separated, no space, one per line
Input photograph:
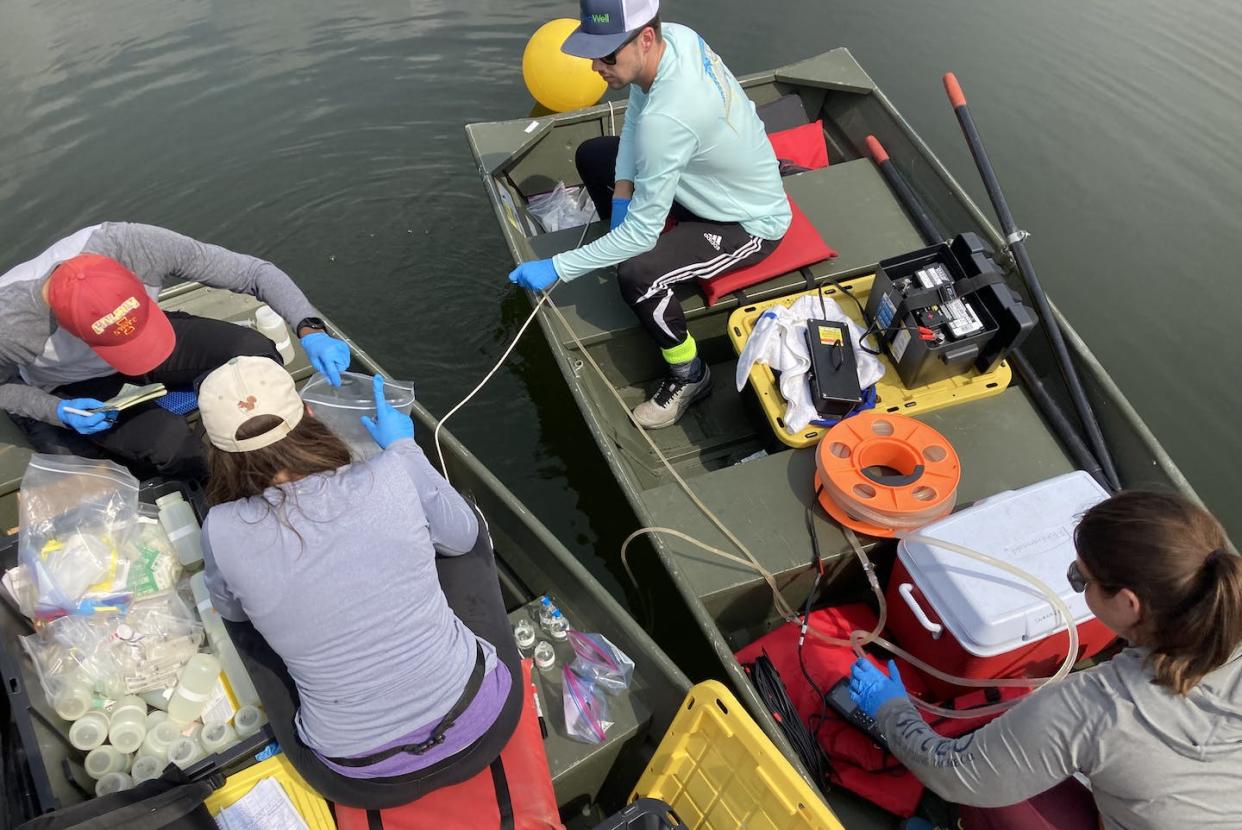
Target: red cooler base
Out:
[1038,659]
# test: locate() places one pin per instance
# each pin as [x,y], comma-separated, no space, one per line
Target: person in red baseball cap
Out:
[81,320]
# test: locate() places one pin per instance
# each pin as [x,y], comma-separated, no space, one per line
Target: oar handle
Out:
[956,97]
[878,153]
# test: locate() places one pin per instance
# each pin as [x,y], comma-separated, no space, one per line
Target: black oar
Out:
[1017,246]
[1048,406]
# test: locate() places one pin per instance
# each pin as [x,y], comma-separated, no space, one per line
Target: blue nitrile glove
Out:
[389,424]
[536,275]
[327,354]
[620,207]
[85,424]
[871,688]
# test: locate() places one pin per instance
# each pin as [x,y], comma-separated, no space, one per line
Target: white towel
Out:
[779,341]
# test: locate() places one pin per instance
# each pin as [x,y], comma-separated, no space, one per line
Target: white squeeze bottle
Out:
[273,328]
[222,644]
[177,518]
[198,679]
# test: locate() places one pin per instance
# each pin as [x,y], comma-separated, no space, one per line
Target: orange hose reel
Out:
[880,474]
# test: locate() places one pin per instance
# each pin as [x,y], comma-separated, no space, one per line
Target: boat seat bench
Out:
[1002,444]
[848,203]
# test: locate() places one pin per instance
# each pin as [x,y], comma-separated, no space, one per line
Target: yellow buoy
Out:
[559,81]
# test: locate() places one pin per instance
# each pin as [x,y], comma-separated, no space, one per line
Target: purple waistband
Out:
[477,718]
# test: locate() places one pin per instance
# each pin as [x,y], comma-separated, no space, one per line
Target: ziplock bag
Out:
[586,710]
[76,514]
[600,661]
[340,408]
[73,650]
[564,207]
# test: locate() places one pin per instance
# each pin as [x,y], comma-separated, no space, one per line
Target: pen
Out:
[74,411]
[543,725]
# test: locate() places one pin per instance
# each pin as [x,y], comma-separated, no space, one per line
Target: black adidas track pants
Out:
[695,248]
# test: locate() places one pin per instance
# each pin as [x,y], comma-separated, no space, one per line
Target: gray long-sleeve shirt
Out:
[345,590]
[1154,759]
[36,355]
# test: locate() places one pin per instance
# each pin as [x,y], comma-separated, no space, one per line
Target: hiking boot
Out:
[672,399]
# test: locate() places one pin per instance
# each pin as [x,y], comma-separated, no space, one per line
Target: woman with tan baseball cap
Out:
[363,595]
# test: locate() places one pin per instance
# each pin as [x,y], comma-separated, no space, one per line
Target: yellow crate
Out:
[718,771]
[891,395]
[310,804]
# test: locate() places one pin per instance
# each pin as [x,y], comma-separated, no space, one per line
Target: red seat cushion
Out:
[803,146]
[802,245]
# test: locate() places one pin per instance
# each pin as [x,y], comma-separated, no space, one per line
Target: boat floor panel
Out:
[1002,444]
[849,203]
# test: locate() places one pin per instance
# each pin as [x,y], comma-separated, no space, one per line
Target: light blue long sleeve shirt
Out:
[693,137]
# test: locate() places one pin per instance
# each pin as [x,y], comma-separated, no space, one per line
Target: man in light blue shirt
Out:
[692,148]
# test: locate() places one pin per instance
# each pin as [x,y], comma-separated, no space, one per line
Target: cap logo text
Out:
[600,18]
[116,314]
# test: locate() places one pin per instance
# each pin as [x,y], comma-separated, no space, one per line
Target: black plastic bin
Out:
[643,814]
[55,766]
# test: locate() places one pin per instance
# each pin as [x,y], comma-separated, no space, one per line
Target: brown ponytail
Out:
[1174,556]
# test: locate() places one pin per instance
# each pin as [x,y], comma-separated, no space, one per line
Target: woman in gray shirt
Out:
[1157,730]
[339,568]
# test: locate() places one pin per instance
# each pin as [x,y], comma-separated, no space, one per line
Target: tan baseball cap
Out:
[245,388]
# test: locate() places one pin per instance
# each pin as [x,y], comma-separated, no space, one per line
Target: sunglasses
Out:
[1077,580]
[611,59]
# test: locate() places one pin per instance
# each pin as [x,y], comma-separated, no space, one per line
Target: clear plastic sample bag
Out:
[587,718]
[597,659]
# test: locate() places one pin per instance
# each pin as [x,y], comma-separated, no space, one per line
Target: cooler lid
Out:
[988,610]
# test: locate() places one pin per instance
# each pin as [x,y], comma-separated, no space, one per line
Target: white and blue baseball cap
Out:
[607,24]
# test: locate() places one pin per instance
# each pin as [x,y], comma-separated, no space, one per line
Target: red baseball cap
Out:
[101,302]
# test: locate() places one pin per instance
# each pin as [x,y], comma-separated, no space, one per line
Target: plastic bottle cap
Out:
[113,782]
[169,498]
[127,737]
[265,316]
[89,732]
[147,767]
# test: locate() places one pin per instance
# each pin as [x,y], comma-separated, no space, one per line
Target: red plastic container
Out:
[973,620]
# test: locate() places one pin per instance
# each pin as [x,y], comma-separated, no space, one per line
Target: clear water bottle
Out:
[198,679]
[545,611]
[558,626]
[270,325]
[545,656]
[524,635]
[177,519]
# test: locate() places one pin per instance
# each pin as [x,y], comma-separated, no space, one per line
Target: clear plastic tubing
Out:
[858,639]
[217,736]
[178,521]
[103,760]
[89,731]
[127,726]
[248,721]
[113,782]
[198,679]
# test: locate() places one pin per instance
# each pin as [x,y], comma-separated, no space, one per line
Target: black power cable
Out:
[772,691]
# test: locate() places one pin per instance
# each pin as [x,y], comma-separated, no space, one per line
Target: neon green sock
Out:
[683,352]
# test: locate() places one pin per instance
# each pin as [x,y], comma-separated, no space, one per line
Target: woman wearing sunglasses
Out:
[1157,730]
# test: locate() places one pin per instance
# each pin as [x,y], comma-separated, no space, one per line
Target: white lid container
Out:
[990,611]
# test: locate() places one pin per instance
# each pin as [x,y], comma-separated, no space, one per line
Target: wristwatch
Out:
[311,324]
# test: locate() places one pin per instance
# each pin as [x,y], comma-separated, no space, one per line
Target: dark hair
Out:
[1172,553]
[309,448]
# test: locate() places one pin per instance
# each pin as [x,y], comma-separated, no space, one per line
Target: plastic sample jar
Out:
[89,731]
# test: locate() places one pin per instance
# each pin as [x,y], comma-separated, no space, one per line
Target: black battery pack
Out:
[834,374]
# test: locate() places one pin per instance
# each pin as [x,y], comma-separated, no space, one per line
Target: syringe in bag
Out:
[959,317]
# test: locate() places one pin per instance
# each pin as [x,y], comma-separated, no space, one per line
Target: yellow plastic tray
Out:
[309,803]
[718,771]
[891,395]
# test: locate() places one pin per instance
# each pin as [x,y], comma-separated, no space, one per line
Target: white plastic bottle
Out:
[160,739]
[127,727]
[270,325]
[113,782]
[147,767]
[185,752]
[89,731]
[217,736]
[222,644]
[198,679]
[248,720]
[72,698]
[105,759]
[177,519]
